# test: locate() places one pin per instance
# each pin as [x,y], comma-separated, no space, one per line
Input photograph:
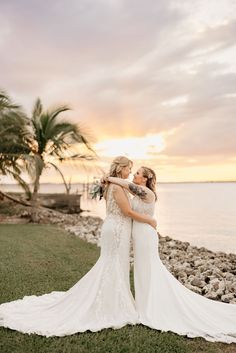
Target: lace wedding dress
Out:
[101,299]
[163,303]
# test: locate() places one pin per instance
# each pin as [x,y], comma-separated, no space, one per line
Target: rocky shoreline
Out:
[211,274]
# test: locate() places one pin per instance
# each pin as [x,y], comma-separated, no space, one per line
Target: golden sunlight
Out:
[133,147]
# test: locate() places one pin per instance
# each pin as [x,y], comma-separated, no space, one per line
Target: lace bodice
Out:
[112,207]
[142,207]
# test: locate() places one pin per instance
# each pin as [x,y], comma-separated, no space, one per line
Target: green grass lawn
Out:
[37,259]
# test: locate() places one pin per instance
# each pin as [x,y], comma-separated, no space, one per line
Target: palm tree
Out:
[51,140]
[35,143]
[12,146]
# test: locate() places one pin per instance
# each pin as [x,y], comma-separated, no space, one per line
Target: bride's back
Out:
[112,208]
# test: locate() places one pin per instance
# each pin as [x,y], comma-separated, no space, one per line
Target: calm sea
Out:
[203,214]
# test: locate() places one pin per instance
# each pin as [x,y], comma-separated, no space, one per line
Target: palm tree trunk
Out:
[14,199]
[34,201]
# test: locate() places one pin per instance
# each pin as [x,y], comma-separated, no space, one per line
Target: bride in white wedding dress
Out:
[102,298]
[162,302]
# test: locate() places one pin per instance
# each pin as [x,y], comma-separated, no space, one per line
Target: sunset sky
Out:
[154,80]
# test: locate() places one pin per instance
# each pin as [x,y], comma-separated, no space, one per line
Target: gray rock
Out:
[197,282]
[212,295]
[215,283]
[193,288]
[227,297]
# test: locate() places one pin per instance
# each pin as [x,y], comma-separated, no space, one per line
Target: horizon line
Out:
[160,182]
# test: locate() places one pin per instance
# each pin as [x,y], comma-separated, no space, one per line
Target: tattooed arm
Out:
[141,191]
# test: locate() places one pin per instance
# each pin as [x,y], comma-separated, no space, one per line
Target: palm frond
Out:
[6,102]
[37,109]
[77,157]
[54,113]
[20,181]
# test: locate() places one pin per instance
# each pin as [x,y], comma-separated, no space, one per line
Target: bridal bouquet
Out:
[97,189]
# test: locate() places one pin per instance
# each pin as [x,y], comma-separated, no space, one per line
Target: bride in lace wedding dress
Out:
[102,298]
[162,302]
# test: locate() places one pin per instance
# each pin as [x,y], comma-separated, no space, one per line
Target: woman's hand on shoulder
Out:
[104,180]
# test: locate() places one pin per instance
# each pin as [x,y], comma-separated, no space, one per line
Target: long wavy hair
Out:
[151,179]
[116,168]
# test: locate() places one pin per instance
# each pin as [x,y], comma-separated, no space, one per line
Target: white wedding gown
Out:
[163,303]
[101,299]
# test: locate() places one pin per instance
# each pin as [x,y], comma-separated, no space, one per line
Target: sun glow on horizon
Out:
[146,147]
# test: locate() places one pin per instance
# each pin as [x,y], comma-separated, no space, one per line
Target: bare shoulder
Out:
[119,193]
[117,188]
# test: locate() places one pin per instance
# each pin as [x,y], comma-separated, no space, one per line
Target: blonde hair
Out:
[151,179]
[116,168]
[117,164]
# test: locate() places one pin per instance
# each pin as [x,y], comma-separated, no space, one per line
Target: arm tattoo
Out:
[137,190]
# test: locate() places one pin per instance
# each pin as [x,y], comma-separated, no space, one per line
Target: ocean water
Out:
[204,214]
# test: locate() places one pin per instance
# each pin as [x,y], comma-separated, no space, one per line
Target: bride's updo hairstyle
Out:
[117,164]
[151,179]
[116,167]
